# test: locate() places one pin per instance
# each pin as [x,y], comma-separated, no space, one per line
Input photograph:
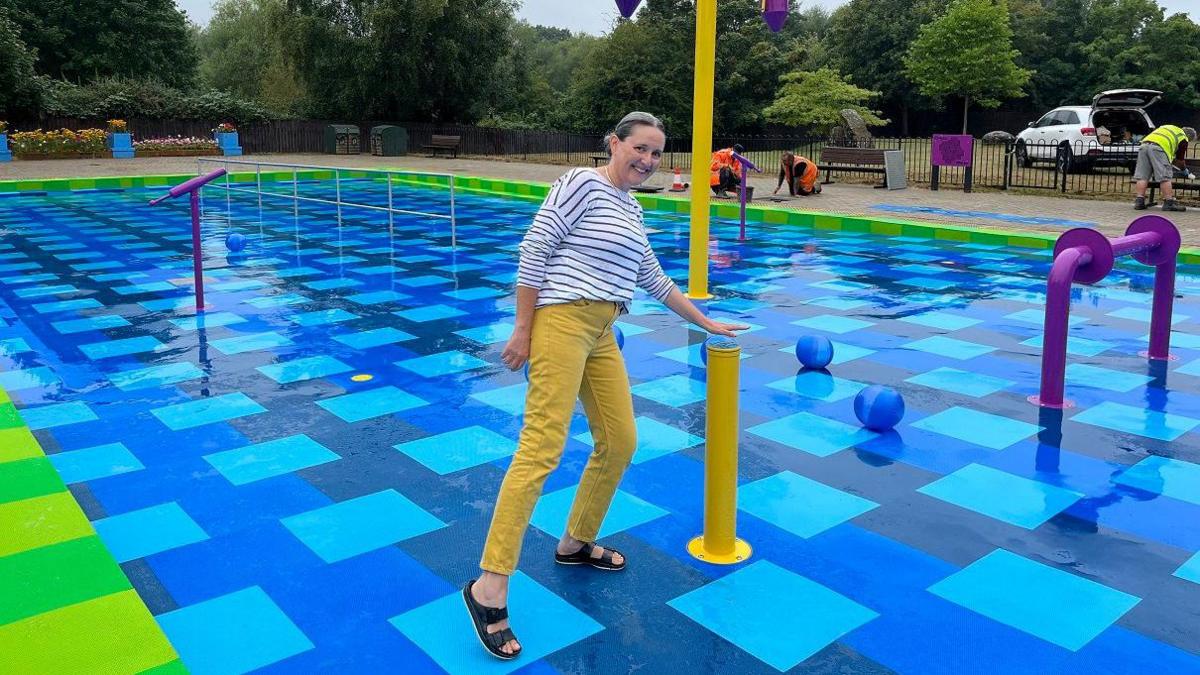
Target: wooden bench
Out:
[596,159]
[446,143]
[868,160]
[1178,184]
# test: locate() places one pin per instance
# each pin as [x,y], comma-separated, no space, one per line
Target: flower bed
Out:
[60,144]
[175,147]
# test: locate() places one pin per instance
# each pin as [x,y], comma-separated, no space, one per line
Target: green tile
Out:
[27,478]
[18,443]
[9,417]
[41,521]
[46,578]
[823,222]
[175,667]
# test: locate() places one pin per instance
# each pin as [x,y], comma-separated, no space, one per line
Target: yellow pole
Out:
[702,122]
[719,543]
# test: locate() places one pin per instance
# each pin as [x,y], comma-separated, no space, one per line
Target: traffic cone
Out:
[678,185]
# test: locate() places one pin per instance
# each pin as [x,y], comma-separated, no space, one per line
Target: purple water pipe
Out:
[1087,256]
[747,166]
[192,187]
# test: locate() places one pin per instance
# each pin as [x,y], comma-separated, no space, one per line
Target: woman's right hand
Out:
[516,351]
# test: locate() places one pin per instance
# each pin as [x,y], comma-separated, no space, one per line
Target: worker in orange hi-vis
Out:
[725,171]
[800,173]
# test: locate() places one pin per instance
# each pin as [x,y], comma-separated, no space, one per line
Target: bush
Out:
[124,98]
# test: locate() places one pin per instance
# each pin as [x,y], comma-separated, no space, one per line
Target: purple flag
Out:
[775,13]
[628,7]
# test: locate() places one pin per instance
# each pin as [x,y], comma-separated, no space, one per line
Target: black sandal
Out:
[482,617]
[584,557]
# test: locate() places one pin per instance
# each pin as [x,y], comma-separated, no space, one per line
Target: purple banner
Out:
[952,150]
[628,7]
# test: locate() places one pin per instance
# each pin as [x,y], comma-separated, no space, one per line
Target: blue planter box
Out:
[121,145]
[5,153]
[228,143]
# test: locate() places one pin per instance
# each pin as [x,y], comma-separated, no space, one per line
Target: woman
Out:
[584,253]
[800,173]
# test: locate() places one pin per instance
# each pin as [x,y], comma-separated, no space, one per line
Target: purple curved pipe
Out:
[191,188]
[746,166]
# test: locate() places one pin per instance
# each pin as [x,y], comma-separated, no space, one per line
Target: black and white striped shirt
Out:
[588,242]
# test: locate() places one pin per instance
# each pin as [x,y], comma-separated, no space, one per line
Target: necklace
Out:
[608,175]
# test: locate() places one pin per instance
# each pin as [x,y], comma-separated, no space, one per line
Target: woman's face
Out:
[637,157]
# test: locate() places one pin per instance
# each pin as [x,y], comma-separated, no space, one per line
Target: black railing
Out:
[1082,168]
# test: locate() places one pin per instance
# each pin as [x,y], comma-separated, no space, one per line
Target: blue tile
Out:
[235,633]
[155,376]
[1056,606]
[1104,378]
[101,461]
[654,439]
[443,630]
[1173,478]
[207,411]
[950,347]
[422,281]
[43,291]
[997,494]
[1190,570]
[962,382]
[552,510]
[208,321]
[66,305]
[374,338]
[800,505]
[833,302]
[459,449]
[429,313]
[813,434]
[251,342]
[1075,345]
[478,293]
[990,431]
[831,323]
[11,346]
[148,287]
[818,385]
[444,363]
[1144,315]
[943,320]
[271,458]
[510,399]
[103,322]
[675,390]
[57,415]
[488,335]
[182,303]
[377,297]
[1136,420]
[31,378]
[356,526]
[745,608]
[308,368]
[364,405]
[147,531]
[929,283]
[111,348]
[281,300]
[323,317]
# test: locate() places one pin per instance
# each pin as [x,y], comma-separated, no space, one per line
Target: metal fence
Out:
[996,166]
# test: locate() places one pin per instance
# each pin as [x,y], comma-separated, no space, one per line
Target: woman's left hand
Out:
[726,329]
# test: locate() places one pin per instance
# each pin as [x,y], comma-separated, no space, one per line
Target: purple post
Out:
[192,188]
[747,165]
[628,7]
[1087,256]
[775,13]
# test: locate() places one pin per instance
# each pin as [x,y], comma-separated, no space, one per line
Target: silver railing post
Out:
[453,222]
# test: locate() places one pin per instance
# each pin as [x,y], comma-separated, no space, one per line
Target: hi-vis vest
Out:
[1168,137]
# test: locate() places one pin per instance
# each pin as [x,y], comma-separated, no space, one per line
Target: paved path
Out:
[1111,217]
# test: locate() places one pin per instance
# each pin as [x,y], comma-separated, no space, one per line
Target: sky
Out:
[597,16]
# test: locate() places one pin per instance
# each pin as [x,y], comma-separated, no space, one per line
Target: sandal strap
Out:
[606,556]
[506,635]
[494,614]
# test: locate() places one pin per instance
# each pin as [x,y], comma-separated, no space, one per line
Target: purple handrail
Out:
[1087,256]
[192,187]
[746,166]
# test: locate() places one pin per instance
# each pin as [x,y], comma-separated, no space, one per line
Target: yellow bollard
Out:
[702,123]
[719,543]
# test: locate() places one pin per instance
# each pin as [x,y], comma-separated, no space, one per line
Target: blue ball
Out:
[620,336]
[235,242]
[814,351]
[879,408]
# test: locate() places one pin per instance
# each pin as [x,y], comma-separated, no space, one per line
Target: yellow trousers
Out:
[573,355]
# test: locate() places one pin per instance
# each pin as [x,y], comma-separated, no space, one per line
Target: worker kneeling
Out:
[800,173]
[724,171]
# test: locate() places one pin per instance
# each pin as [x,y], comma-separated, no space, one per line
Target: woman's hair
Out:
[627,125]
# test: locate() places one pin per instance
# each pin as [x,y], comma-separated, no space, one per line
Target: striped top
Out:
[588,242]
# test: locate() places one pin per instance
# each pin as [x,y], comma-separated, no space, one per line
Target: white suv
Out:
[1075,137]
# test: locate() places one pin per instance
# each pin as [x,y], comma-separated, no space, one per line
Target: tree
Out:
[869,40]
[82,41]
[967,52]
[17,87]
[242,52]
[814,100]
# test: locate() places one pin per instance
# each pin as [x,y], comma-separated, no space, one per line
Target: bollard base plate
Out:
[741,552]
[1037,400]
